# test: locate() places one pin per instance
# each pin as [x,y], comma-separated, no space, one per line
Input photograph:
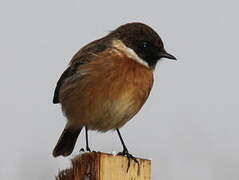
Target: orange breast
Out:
[107,93]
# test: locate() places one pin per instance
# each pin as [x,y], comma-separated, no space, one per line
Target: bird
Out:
[107,82]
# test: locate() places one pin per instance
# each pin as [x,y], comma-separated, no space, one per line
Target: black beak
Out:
[164,54]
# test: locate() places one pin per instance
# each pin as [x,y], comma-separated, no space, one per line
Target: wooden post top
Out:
[102,166]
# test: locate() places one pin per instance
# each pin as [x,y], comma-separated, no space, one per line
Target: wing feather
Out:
[83,56]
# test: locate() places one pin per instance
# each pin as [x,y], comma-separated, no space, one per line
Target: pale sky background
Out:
[190,123]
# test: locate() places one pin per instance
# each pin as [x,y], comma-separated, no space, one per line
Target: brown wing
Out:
[67,73]
[83,56]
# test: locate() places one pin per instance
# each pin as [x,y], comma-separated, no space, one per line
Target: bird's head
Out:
[144,42]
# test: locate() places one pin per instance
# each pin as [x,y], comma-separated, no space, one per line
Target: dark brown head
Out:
[143,40]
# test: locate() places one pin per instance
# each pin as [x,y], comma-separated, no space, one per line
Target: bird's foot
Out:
[129,157]
[87,149]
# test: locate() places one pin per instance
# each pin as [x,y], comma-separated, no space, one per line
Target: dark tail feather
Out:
[66,142]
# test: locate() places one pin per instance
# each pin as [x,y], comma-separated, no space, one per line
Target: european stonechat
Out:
[107,82]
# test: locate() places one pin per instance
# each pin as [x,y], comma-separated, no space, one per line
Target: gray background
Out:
[189,125]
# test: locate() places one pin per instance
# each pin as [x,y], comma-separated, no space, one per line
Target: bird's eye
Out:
[145,44]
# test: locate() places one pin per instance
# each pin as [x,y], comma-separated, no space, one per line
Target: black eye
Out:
[145,45]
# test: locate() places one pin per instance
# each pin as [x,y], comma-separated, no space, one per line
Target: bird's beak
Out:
[164,54]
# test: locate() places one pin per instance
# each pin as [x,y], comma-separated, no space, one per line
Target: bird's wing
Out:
[67,73]
[83,56]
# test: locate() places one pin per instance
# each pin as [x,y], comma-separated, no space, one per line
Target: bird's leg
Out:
[86,139]
[125,151]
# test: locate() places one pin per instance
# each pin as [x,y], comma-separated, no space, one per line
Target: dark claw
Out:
[88,149]
[129,157]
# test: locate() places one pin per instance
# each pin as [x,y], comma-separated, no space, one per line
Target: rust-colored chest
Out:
[108,93]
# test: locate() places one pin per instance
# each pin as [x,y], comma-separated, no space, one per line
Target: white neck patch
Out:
[119,45]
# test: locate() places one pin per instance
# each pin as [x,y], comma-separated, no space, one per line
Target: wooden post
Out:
[101,166]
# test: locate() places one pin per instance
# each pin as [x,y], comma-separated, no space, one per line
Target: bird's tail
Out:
[66,142]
